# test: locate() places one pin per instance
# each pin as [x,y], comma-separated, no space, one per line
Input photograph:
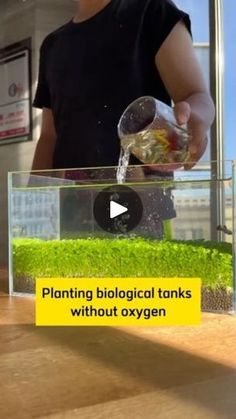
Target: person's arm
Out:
[181,74]
[43,157]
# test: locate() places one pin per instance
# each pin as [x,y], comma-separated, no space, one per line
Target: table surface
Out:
[98,372]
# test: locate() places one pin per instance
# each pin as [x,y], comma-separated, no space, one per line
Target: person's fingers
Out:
[182,112]
[196,151]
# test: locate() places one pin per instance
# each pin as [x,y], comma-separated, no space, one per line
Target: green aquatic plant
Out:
[133,257]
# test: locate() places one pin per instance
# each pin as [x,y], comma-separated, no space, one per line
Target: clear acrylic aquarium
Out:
[185,228]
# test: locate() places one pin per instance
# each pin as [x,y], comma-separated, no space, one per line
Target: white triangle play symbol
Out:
[116,209]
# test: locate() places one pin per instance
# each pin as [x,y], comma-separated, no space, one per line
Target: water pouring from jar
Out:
[148,129]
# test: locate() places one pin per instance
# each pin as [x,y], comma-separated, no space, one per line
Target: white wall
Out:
[20,20]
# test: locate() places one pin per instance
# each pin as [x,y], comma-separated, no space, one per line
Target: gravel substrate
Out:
[218,299]
[24,284]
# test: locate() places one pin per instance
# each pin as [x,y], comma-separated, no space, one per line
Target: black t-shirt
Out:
[90,72]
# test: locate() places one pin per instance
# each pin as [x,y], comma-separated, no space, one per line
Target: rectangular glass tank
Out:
[67,224]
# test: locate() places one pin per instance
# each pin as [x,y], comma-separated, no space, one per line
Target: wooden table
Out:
[114,372]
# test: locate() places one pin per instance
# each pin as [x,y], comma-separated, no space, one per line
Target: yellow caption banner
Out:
[118,301]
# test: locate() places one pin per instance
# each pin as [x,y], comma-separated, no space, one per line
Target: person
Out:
[112,52]
[93,67]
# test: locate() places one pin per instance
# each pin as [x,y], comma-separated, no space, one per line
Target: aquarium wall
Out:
[58,228]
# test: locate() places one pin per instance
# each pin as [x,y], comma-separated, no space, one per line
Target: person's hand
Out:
[195,126]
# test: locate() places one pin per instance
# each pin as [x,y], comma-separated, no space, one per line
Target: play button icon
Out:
[118,209]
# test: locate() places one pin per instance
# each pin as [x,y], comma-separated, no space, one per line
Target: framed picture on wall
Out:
[15,93]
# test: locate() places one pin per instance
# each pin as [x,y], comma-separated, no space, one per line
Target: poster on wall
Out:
[15,95]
